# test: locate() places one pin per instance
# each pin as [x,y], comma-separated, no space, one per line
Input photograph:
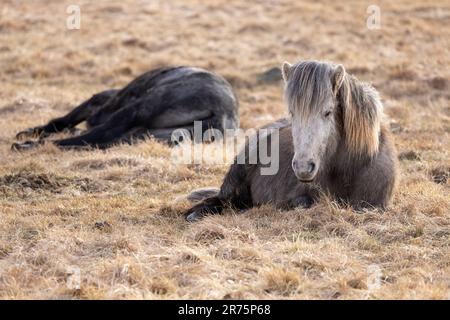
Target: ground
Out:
[113,219]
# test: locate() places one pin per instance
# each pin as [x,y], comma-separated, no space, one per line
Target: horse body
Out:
[333,143]
[357,181]
[154,104]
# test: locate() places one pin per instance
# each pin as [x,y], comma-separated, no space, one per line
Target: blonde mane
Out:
[362,116]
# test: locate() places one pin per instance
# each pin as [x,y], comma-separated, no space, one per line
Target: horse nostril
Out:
[311,167]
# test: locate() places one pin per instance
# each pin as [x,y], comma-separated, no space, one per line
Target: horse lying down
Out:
[334,142]
[154,104]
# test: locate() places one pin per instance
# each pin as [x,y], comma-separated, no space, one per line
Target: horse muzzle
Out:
[305,171]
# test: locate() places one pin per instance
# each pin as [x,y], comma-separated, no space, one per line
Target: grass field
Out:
[110,218]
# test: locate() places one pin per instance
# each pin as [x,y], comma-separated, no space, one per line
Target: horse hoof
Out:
[303,202]
[24,134]
[75,131]
[16,147]
[23,146]
[29,133]
[193,217]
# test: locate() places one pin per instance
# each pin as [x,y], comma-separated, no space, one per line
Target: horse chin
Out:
[305,178]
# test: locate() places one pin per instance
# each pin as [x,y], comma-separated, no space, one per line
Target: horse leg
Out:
[304,201]
[174,134]
[234,193]
[73,118]
[201,194]
[216,204]
[213,205]
[103,135]
[165,135]
[108,134]
[149,120]
[135,135]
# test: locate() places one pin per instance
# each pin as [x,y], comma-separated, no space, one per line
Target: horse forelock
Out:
[308,87]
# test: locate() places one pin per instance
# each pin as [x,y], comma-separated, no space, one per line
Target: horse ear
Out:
[338,78]
[286,70]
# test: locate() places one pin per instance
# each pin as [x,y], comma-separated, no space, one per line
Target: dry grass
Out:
[112,214]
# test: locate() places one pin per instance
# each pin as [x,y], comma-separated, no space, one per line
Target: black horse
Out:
[154,104]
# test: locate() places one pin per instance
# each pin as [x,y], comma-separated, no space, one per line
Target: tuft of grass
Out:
[281,282]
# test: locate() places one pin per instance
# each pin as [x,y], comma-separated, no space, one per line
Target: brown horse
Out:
[334,143]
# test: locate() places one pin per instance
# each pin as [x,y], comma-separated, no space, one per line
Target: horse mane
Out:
[362,113]
[309,83]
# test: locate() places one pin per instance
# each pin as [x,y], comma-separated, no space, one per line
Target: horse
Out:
[334,142]
[154,104]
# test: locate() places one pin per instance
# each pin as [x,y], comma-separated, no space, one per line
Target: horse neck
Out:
[346,163]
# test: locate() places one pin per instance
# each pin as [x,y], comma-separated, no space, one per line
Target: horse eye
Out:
[327,114]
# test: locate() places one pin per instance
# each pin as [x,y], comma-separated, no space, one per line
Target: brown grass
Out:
[112,214]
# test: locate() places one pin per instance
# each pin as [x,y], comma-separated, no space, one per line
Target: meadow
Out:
[108,224]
